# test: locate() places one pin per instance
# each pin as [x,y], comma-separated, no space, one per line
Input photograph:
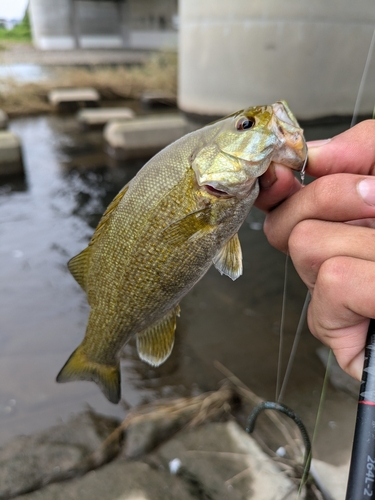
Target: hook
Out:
[270,405]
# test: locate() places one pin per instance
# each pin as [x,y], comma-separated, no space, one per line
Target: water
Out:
[23,72]
[49,217]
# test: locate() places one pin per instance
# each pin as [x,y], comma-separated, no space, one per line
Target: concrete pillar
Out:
[124,17]
[52,25]
[238,53]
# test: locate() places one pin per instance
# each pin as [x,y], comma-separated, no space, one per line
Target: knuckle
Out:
[300,238]
[323,192]
[332,274]
[303,246]
[271,233]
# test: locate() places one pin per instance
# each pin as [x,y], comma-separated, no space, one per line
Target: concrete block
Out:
[157,99]
[94,118]
[3,120]
[68,99]
[10,154]
[143,137]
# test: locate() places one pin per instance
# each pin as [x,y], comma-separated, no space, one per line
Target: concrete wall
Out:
[99,24]
[153,24]
[69,24]
[310,52]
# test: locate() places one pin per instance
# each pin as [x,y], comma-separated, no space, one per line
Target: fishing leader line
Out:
[280,392]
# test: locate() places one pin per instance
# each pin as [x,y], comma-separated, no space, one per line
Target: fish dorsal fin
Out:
[80,264]
[79,267]
[107,214]
[156,342]
[228,260]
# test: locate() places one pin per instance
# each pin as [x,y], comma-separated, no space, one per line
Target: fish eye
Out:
[245,123]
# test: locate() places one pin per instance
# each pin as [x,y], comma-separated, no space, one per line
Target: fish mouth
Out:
[219,193]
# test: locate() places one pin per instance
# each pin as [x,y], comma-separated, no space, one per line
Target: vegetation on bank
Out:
[21,32]
[118,82]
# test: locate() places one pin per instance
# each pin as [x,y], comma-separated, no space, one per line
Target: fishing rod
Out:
[361,481]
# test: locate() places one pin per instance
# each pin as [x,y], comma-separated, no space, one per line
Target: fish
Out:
[159,236]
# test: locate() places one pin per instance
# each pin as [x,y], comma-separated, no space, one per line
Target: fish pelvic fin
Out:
[107,377]
[155,344]
[228,260]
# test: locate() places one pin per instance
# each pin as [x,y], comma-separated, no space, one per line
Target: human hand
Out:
[327,228]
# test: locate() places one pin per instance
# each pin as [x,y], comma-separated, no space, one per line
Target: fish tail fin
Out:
[107,377]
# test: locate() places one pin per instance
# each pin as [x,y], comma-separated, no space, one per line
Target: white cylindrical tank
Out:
[312,53]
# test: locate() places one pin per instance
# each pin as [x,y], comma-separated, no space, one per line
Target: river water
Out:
[49,217]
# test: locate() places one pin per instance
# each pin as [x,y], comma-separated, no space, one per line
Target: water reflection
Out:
[69,181]
[24,72]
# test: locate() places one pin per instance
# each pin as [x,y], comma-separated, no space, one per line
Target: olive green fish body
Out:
[160,235]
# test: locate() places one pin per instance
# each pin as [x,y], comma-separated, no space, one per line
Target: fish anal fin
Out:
[107,377]
[79,267]
[155,344]
[190,227]
[228,260]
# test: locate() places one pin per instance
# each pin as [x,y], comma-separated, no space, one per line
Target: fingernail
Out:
[318,144]
[366,189]
[357,366]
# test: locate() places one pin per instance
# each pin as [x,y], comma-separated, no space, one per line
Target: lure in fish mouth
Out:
[179,215]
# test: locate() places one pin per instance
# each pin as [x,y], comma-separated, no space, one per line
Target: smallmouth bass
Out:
[179,215]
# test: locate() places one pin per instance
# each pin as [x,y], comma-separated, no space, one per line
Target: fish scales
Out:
[163,231]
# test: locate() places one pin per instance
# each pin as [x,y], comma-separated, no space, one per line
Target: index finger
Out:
[353,152]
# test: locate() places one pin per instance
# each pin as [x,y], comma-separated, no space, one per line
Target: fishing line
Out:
[293,351]
[280,393]
[363,80]
[321,400]
[281,332]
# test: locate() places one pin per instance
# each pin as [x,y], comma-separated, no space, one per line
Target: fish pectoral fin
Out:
[228,260]
[190,227]
[155,344]
[79,267]
[107,377]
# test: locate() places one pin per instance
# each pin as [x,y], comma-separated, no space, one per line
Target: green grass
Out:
[21,32]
